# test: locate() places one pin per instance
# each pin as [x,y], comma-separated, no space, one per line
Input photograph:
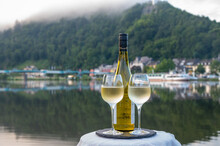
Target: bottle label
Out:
[124,113]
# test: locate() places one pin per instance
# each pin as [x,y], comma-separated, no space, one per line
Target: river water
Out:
[55,113]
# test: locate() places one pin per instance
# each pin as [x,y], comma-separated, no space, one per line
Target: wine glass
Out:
[139,92]
[112,91]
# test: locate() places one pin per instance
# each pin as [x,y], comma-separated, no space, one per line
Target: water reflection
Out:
[189,90]
[42,112]
[35,86]
[213,141]
[180,90]
[184,89]
[8,138]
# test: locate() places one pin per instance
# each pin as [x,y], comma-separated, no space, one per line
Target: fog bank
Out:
[54,11]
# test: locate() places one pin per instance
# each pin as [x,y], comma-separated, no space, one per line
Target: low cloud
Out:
[75,8]
[83,8]
[208,8]
[52,10]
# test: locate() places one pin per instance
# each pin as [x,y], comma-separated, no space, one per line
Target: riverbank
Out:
[11,78]
[6,77]
[206,79]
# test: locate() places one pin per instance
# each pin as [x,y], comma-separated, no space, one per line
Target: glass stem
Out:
[139,117]
[112,113]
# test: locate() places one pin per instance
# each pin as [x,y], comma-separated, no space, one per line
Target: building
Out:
[141,62]
[105,68]
[153,64]
[91,73]
[190,65]
[31,67]
[154,2]
[206,64]
[34,74]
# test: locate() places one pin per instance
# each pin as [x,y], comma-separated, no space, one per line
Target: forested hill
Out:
[160,31]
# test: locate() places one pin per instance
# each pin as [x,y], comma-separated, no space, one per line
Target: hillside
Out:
[159,32]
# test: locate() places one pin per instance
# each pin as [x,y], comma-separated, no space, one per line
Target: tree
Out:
[215,67]
[165,66]
[200,69]
[148,69]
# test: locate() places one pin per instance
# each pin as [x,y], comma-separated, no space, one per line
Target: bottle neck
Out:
[123,66]
[123,46]
[123,54]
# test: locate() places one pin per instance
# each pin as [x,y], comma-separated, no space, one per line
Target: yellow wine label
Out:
[124,109]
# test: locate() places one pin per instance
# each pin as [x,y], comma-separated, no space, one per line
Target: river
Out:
[52,113]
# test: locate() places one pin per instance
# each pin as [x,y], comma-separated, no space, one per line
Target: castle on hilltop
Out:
[156,1]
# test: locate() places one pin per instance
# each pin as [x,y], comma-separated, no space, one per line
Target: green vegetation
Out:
[159,32]
[4,76]
[215,67]
[207,79]
[86,77]
[200,69]
[215,92]
[148,69]
[41,64]
[165,66]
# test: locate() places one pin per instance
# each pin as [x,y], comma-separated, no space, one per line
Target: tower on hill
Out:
[154,2]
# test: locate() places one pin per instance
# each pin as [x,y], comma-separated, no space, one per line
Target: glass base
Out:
[113,132]
[125,135]
[139,132]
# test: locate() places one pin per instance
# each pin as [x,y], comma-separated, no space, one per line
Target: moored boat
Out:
[156,77]
[177,77]
[170,77]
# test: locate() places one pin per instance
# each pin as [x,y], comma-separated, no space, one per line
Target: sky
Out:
[29,10]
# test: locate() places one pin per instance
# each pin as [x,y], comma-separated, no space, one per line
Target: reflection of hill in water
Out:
[69,114]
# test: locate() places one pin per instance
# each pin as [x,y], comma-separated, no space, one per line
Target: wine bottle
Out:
[125,109]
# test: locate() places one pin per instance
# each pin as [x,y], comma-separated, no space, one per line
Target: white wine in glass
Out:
[139,95]
[139,92]
[112,91]
[112,94]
